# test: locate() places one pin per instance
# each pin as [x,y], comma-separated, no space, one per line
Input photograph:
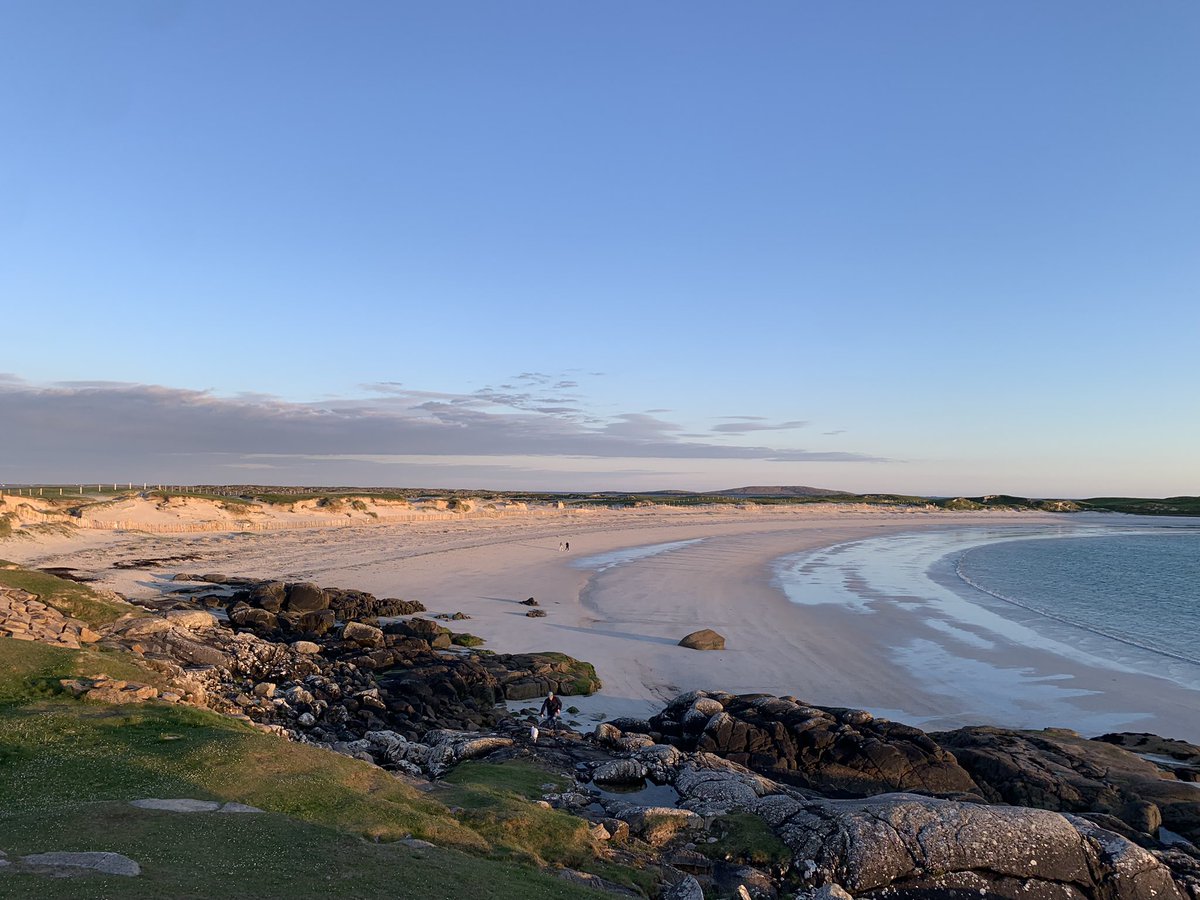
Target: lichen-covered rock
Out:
[448,748]
[662,762]
[709,781]
[190,619]
[687,889]
[620,772]
[908,844]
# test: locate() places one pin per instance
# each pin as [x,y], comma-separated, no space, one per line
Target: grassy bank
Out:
[69,768]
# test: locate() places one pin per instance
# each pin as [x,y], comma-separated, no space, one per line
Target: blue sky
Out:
[929,247]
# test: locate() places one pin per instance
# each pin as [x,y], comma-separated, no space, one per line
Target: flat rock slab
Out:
[65,864]
[184,806]
[239,808]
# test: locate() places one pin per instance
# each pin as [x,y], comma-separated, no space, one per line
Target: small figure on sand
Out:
[551,707]
[567,546]
[560,546]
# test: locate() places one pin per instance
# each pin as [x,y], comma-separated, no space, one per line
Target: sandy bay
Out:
[715,571]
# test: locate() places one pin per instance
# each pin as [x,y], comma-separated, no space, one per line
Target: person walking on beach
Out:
[551,707]
[567,546]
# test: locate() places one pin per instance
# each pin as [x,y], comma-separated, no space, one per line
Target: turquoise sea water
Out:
[1139,588]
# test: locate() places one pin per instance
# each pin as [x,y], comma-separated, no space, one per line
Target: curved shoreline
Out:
[627,619]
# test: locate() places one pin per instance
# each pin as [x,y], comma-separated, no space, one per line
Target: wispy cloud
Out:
[98,423]
[754,423]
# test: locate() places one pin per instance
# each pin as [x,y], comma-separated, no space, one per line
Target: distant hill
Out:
[780,491]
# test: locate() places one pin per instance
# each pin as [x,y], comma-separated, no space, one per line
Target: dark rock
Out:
[524,676]
[835,751]
[1057,769]
[317,622]
[426,629]
[1180,758]
[727,878]
[536,614]
[269,595]
[248,617]
[705,639]
[529,602]
[306,597]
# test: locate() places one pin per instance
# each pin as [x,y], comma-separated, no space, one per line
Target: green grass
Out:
[30,671]
[518,778]
[68,769]
[69,597]
[495,799]
[745,838]
[210,855]
[1168,506]
[463,639]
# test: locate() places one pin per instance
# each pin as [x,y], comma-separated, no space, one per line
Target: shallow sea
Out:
[1124,596]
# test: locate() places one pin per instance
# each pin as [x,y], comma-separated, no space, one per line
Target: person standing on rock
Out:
[551,707]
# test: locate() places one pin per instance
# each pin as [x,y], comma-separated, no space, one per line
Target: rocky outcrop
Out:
[275,608]
[704,639]
[1060,770]
[839,752]
[103,689]
[24,618]
[523,676]
[910,846]
[440,751]
[337,685]
[1180,758]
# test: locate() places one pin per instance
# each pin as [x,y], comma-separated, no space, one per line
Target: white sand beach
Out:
[625,611]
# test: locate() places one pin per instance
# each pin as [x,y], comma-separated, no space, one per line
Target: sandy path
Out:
[627,618]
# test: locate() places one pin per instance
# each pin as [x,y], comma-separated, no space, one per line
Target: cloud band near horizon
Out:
[100,423]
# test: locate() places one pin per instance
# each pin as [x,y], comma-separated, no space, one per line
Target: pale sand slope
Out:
[627,619]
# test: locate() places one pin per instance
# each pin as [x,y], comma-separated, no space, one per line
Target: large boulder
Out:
[704,639]
[363,635]
[269,595]
[306,597]
[839,752]
[250,617]
[911,846]
[1060,770]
